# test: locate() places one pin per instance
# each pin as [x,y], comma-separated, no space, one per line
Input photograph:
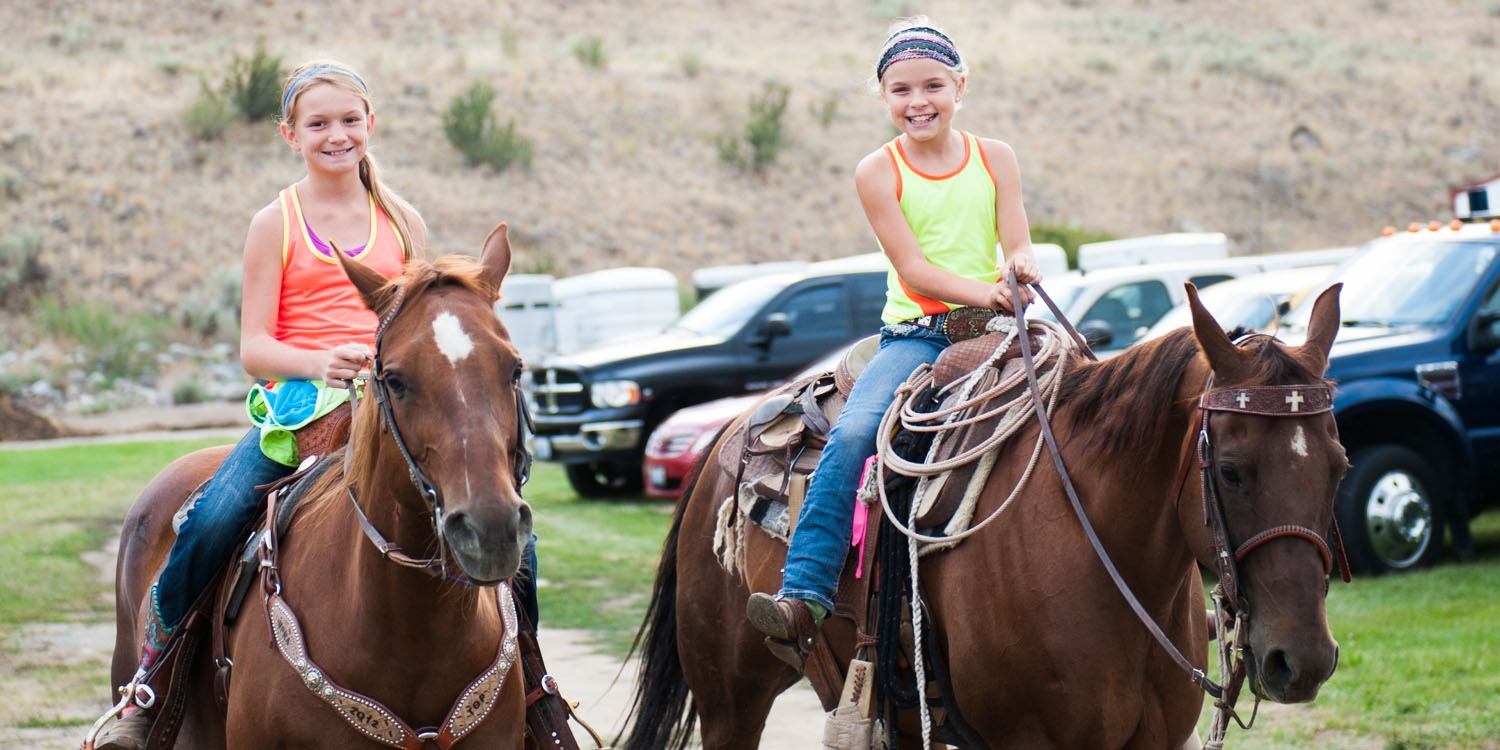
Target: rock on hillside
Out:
[20,423]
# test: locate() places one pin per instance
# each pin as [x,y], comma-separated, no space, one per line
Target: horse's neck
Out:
[1149,499]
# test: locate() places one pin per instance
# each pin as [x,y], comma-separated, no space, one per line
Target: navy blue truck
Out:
[1417,364]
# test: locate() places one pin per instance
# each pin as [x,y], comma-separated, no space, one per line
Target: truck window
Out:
[815,312]
[1129,309]
[869,301]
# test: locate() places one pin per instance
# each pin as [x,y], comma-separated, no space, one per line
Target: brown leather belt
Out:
[958,324]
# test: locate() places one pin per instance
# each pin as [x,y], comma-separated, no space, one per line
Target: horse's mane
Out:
[420,276]
[1122,405]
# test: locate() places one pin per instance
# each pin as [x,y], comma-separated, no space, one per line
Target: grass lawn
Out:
[1420,654]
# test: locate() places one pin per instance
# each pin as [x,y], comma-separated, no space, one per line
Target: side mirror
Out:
[1484,333]
[1096,333]
[775,325]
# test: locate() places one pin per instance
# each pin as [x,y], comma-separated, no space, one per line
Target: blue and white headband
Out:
[916,42]
[291,90]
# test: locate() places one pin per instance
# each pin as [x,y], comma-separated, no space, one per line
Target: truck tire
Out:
[604,479]
[1388,513]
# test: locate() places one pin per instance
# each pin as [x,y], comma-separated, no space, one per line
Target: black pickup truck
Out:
[1417,364]
[594,409]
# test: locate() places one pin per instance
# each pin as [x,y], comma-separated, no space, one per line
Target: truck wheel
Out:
[1389,516]
[605,479]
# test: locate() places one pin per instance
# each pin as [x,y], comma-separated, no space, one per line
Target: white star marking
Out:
[450,336]
[1299,442]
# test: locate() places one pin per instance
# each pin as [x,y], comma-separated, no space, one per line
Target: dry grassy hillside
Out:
[1286,125]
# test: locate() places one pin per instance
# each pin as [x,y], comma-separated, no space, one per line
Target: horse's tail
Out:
[662,715]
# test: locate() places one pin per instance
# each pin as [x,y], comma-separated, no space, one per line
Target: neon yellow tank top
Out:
[953,217]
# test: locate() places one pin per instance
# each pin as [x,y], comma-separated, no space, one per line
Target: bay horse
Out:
[1042,649]
[413,655]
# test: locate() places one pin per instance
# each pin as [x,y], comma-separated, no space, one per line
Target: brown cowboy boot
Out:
[129,732]
[790,627]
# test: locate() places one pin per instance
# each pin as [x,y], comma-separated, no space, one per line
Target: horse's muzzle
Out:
[487,541]
[1285,676]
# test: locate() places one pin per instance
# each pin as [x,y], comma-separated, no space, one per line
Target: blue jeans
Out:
[826,525]
[215,526]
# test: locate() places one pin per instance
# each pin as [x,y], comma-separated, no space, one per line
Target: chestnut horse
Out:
[1041,647]
[435,462]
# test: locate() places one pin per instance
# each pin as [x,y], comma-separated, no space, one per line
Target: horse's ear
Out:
[373,288]
[495,257]
[1221,352]
[1324,323]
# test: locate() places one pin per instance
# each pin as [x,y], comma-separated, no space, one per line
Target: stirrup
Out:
[136,692]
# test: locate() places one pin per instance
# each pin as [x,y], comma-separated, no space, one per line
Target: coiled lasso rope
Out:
[1014,413]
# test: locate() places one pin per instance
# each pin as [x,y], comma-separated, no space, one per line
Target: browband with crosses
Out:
[1270,400]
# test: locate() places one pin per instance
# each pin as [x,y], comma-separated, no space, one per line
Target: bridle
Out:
[436,565]
[1283,401]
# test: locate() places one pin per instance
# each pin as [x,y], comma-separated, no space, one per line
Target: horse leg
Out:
[734,679]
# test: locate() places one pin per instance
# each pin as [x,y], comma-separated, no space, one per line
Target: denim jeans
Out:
[825,527]
[218,523]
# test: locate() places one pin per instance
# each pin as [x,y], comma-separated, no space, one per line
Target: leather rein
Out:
[1271,401]
[436,565]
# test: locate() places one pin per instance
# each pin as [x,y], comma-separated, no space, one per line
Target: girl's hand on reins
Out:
[344,363]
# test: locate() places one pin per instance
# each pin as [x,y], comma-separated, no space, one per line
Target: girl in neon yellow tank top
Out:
[938,200]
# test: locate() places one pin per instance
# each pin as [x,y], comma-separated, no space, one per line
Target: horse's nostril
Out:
[1276,671]
[524,521]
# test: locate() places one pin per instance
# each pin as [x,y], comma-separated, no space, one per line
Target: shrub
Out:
[1069,237]
[824,111]
[692,64]
[764,134]
[590,51]
[208,116]
[212,312]
[10,183]
[472,128]
[22,272]
[253,86]
[189,391]
[114,346]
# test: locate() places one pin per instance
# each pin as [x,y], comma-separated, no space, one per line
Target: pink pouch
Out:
[861,519]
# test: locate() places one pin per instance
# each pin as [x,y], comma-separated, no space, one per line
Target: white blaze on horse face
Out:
[451,339]
[1299,442]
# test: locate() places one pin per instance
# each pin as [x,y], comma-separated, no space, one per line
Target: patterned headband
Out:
[915,42]
[291,91]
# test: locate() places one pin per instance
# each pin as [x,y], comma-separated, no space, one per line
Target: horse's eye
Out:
[1230,475]
[515,377]
[395,384]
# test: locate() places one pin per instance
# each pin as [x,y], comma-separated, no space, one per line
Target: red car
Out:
[688,433]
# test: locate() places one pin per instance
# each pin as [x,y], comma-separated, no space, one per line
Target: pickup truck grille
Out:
[557,391]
